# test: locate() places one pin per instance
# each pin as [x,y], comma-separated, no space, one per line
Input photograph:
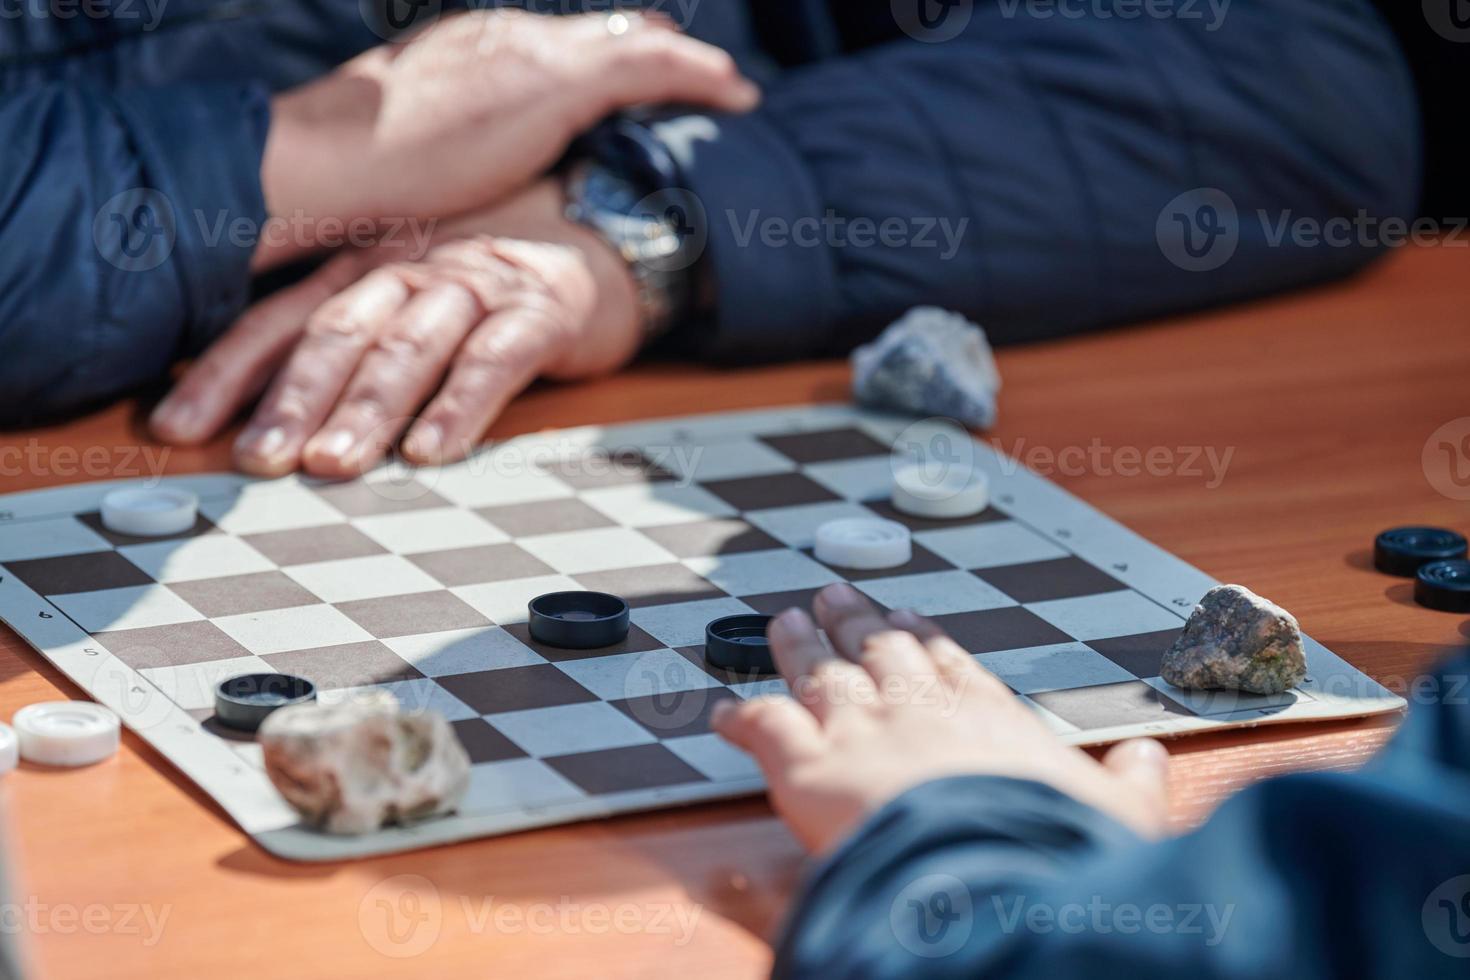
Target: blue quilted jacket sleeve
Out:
[1031,170]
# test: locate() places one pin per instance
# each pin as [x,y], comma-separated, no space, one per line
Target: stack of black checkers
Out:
[1434,558]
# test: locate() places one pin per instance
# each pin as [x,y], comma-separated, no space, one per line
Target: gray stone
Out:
[1237,641]
[929,362]
[354,767]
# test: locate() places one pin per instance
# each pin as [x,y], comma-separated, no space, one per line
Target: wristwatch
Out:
[658,230]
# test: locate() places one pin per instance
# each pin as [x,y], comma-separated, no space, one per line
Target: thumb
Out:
[1143,765]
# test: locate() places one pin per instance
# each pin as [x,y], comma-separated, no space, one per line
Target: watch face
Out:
[609,192]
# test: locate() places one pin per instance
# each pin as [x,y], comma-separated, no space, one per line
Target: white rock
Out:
[354,767]
[929,362]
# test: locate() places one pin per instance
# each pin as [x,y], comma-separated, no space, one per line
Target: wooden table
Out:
[1324,399]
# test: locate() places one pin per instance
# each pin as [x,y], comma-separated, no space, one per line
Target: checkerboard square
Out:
[1094,617]
[192,685]
[172,646]
[717,759]
[506,602]
[637,641]
[515,784]
[759,688]
[633,675]
[364,498]
[622,770]
[596,550]
[463,651]
[727,459]
[487,563]
[124,609]
[26,540]
[1110,705]
[731,678]
[1061,578]
[922,562]
[423,612]
[602,467]
[989,544]
[477,482]
[308,545]
[1141,654]
[885,509]
[775,603]
[206,556]
[865,478]
[430,530]
[349,579]
[567,728]
[1207,703]
[346,665]
[483,743]
[274,506]
[89,572]
[826,445]
[1008,628]
[772,490]
[683,624]
[232,595]
[93,521]
[796,527]
[677,714]
[651,585]
[764,571]
[298,628]
[491,692]
[1052,668]
[422,694]
[544,517]
[935,593]
[654,504]
[702,539]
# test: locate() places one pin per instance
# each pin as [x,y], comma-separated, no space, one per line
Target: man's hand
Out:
[473,109]
[900,704]
[352,353]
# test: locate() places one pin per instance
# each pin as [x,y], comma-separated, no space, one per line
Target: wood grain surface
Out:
[1323,402]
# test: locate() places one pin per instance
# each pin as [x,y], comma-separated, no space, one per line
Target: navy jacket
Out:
[1037,165]
[1304,877]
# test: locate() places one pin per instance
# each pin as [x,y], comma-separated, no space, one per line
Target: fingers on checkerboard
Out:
[954,662]
[820,682]
[860,633]
[773,728]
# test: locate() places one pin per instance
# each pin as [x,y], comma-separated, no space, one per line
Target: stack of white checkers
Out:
[868,544]
[80,733]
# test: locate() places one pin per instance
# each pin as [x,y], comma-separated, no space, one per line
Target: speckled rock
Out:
[929,362]
[354,767]
[1237,641]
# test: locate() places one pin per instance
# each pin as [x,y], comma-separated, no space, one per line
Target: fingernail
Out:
[721,711]
[791,620]
[263,444]
[173,418]
[904,619]
[841,594]
[425,441]
[749,95]
[337,444]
